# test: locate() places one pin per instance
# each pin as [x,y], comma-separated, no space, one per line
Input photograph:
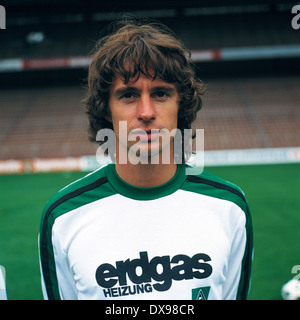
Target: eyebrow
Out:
[123,90]
[165,88]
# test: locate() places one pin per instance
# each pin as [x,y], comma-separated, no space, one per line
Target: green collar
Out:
[151,193]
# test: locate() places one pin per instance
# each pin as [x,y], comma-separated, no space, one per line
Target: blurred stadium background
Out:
[246,52]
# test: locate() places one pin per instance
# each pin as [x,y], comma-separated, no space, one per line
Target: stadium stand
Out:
[251,113]
[198,32]
[43,123]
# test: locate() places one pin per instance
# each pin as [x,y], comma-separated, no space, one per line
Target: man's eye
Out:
[128,95]
[161,94]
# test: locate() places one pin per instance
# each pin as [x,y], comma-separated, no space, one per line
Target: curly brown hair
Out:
[151,49]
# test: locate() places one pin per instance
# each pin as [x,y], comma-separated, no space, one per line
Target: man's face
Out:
[146,104]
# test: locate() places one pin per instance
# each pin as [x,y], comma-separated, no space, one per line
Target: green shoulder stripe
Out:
[82,182]
[213,186]
[94,186]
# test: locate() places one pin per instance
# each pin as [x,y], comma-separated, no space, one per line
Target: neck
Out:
[146,175]
[153,172]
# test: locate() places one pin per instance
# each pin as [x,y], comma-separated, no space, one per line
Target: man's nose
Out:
[146,109]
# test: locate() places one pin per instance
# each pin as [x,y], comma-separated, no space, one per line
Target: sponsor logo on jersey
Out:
[146,276]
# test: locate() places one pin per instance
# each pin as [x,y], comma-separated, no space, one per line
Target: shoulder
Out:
[85,190]
[211,185]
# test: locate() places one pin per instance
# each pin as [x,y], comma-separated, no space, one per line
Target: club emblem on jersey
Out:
[200,293]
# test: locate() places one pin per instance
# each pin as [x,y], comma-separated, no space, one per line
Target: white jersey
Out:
[190,238]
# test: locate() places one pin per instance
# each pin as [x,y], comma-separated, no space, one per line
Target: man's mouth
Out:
[145,135]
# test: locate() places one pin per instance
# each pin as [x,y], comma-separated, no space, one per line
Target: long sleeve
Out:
[58,277]
[238,276]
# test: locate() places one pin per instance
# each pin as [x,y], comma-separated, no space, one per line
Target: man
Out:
[141,228]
